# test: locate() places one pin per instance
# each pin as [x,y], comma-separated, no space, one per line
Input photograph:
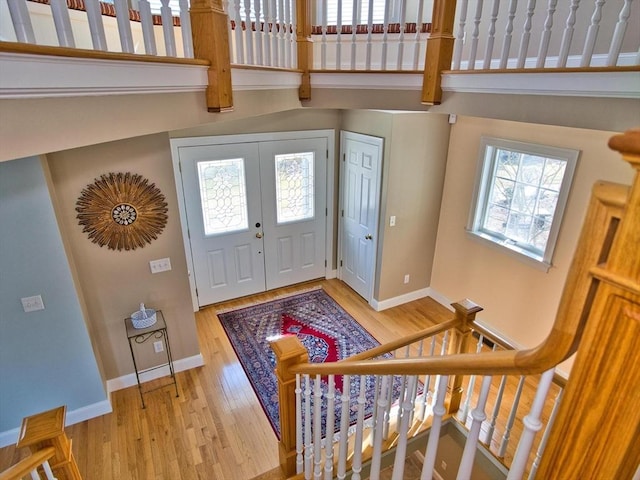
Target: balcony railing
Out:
[310,37]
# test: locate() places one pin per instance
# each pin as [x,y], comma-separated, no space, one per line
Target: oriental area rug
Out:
[326,330]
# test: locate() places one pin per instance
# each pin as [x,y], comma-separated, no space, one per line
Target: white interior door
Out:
[293,178]
[360,200]
[221,186]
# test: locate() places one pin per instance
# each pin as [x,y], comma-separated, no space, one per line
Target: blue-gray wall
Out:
[46,359]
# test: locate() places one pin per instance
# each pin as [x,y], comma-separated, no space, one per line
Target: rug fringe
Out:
[266,300]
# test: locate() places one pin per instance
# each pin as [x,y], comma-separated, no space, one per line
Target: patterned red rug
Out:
[324,328]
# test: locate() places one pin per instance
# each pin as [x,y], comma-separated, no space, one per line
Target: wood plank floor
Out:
[216,428]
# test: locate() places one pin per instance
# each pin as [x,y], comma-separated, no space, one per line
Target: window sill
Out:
[511,250]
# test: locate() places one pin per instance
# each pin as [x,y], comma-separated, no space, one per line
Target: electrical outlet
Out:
[158,346]
[392,221]
[406,278]
[32,304]
[161,265]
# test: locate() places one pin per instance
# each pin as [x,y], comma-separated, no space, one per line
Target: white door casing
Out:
[360,170]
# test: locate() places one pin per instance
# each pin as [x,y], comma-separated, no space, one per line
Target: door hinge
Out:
[196,291]
[326,212]
[340,262]
[327,154]
[180,166]
[325,264]
[344,157]
[189,234]
[342,213]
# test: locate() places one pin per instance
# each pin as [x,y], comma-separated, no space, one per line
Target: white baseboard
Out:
[399,300]
[129,380]
[441,299]
[331,273]
[78,415]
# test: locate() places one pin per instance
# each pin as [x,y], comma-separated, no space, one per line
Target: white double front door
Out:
[256,215]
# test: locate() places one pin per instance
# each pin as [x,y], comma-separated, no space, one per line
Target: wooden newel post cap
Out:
[42,426]
[466,308]
[289,351]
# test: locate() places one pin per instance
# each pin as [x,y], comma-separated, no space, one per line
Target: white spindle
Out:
[491,35]
[167,29]
[511,420]
[403,26]
[526,34]
[317,428]
[47,470]
[21,21]
[146,21]
[618,34]
[592,34]
[274,33]
[471,445]
[299,444]
[531,426]
[387,413]
[434,433]
[426,392]
[354,38]
[383,400]
[356,466]
[496,409]
[323,41]
[328,449]
[339,37]
[546,34]
[385,36]
[460,36]
[259,31]
[636,476]
[403,388]
[401,449]
[267,32]
[369,36]
[124,25]
[464,411]
[474,35]
[96,27]
[506,45]
[344,428]
[248,33]
[281,35]
[60,14]
[567,35]
[545,436]
[416,39]
[308,453]
[234,15]
[289,40]
[185,27]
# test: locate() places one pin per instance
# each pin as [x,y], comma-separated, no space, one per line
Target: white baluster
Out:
[124,25]
[344,429]
[328,446]
[323,40]
[546,34]
[434,433]
[167,29]
[545,436]
[259,32]
[383,401]
[60,13]
[237,30]
[299,444]
[511,420]
[354,21]
[474,35]
[281,34]
[471,445]
[460,36]
[47,470]
[96,27]
[356,466]
[274,33]
[21,21]
[387,413]
[339,37]
[369,35]
[567,35]
[293,36]
[464,411]
[248,33]
[506,45]
[401,449]
[289,41]
[526,34]
[268,33]
[308,452]
[403,388]
[531,426]
[185,28]
[385,36]
[317,428]
[491,35]
[426,392]
[592,34]
[416,38]
[403,26]
[496,410]
[146,20]
[618,34]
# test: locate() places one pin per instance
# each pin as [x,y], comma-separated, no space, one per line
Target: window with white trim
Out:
[520,194]
[362,11]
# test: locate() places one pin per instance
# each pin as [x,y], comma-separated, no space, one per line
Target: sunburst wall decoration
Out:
[122,211]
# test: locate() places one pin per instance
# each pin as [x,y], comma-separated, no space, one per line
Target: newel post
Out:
[289,351]
[465,312]
[305,46]
[210,31]
[439,50]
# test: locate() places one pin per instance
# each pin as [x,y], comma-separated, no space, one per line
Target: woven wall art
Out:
[122,211]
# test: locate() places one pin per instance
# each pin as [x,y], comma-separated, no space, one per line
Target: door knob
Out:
[368,236]
[259,235]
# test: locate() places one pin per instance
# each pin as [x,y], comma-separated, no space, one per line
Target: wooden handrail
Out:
[28,464]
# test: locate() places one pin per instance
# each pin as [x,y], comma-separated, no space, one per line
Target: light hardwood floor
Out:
[216,428]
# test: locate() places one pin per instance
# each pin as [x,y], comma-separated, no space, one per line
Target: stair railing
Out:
[29,466]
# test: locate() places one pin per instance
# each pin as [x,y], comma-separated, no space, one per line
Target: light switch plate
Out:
[161,265]
[32,304]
